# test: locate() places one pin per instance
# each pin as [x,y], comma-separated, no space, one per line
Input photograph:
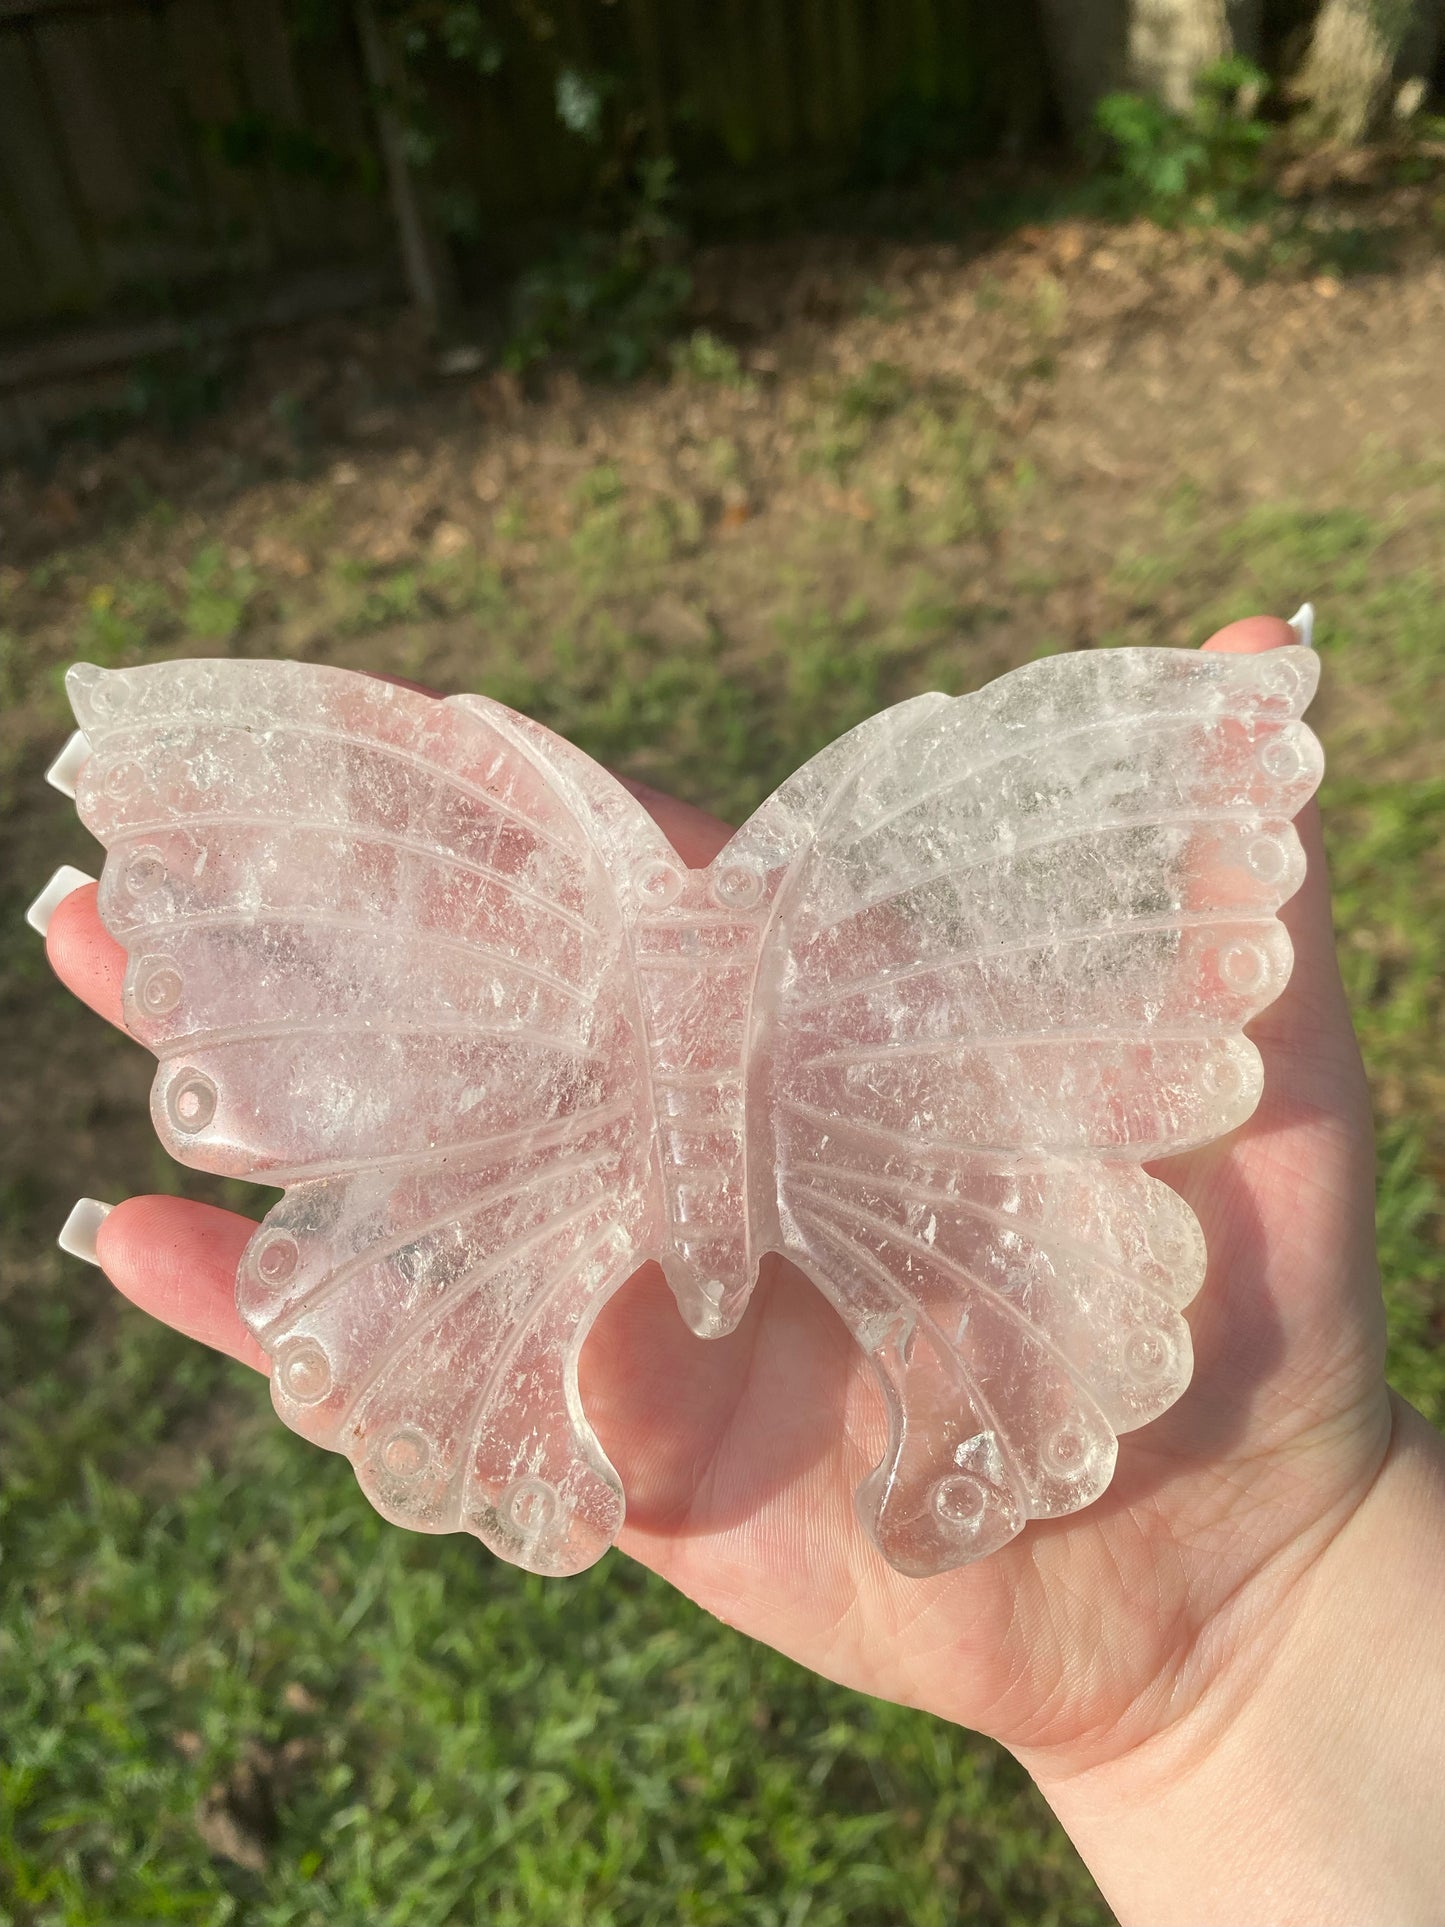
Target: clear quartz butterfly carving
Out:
[918,1027]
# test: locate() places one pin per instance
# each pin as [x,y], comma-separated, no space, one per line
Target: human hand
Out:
[1137,1626]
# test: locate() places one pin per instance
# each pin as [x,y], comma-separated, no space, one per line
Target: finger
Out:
[177,1261]
[1251,636]
[1309,1027]
[84,955]
[693,833]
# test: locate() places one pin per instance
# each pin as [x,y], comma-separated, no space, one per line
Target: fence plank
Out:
[646,36]
[21,295]
[821,103]
[171,167]
[103,159]
[334,105]
[852,95]
[39,191]
[775,100]
[296,202]
[200,54]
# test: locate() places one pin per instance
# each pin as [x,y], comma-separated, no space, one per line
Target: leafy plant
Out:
[609,299]
[1207,162]
[254,140]
[706,358]
[880,391]
[218,594]
[123,621]
[1308,241]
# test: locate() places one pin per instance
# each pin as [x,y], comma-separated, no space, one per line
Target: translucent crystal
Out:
[435,973]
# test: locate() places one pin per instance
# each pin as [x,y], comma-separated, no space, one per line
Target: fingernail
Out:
[80,1230]
[1303,624]
[63,771]
[66,879]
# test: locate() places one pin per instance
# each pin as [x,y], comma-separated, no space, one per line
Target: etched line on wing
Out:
[1157,720]
[1042,940]
[512,1344]
[650,920]
[383,839]
[698,1080]
[477,1027]
[941,1047]
[718,964]
[1164,1307]
[531,1135]
[900,1235]
[392,752]
[1023,1158]
[910,1308]
[326,1288]
[1051,1244]
[312,920]
[947,872]
[412,1334]
[1083,1395]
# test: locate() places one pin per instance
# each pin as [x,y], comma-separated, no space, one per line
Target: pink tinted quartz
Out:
[920,1024]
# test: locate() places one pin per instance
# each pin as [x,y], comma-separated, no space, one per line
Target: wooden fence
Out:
[151,151]
[117,187]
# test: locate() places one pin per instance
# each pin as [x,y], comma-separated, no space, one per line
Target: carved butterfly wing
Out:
[1011,960]
[380,955]
[1014,941]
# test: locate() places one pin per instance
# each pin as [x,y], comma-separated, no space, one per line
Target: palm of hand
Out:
[1083,1637]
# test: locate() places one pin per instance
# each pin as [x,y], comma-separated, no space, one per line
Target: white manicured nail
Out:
[1303,624]
[63,771]
[80,1230]
[66,879]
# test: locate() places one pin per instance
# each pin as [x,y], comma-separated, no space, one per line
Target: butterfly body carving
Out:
[437,975]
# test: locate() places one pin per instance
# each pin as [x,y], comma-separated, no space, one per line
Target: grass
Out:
[440,1738]
[230,1694]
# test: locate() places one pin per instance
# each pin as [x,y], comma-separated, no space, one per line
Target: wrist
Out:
[1304,1785]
